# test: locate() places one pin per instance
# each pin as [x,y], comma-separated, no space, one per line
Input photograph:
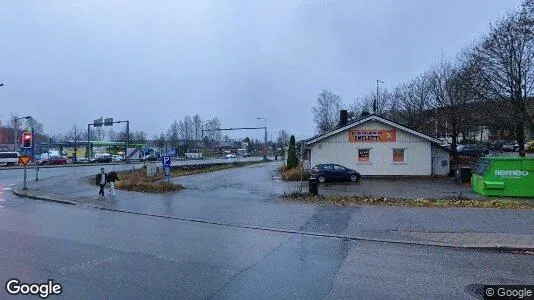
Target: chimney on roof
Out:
[343,117]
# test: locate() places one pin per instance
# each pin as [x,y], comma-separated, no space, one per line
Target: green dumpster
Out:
[504,176]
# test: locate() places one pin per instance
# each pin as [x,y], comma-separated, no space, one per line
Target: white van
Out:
[9,158]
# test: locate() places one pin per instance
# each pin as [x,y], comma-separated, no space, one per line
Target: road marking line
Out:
[1,206]
[2,200]
[7,189]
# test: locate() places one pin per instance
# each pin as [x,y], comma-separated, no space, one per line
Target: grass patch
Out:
[293,174]
[138,181]
[418,202]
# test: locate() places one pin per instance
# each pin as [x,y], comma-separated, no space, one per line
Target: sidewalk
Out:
[238,198]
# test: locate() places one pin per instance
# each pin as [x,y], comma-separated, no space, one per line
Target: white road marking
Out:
[2,200]
[7,189]
[1,206]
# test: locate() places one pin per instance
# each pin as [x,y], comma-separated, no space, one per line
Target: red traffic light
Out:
[26,140]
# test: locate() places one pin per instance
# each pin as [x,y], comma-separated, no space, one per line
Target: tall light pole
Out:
[202,136]
[375,105]
[265,137]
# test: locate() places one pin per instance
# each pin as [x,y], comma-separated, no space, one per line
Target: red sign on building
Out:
[372,136]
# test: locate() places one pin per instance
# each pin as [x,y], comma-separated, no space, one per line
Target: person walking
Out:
[101,179]
[111,178]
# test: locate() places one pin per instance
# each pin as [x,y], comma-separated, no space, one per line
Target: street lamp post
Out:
[265,137]
[375,105]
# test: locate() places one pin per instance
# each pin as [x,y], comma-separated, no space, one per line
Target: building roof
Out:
[368,118]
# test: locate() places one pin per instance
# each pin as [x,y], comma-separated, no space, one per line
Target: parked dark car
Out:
[53,160]
[102,159]
[150,157]
[497,145]
[333,172]
[472,150]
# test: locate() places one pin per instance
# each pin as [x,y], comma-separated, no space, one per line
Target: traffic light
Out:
[26,140]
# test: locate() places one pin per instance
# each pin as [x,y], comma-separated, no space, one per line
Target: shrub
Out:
[149,187]
[138,181]
[293,174]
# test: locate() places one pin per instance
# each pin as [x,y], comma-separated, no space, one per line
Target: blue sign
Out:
[26,152]
[166,160]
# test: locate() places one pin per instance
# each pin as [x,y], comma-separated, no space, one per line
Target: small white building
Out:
[373,145]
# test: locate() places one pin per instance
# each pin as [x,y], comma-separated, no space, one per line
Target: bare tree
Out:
[75,135]
[412,101]
[98,133]
[326,111]
[197,125]
[112,135]
[159,141]
[138,136]
[283,139]
[173,135]
[212,134]
[364,104]
[453,94]
[91,132]
[506,60]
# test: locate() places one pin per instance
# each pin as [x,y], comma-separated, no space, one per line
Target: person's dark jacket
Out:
[99,177]
[112,177]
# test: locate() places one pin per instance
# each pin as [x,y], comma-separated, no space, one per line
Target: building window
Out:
[363,155]
[398,155]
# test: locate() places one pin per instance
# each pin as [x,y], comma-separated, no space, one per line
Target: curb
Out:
[24,194]
[19,193]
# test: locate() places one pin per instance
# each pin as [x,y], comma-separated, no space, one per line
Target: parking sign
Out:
[166,160]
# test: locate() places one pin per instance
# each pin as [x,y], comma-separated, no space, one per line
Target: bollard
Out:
[312,186]
[37,174]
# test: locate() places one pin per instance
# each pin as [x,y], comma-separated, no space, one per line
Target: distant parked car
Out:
[81,159]
[117,158]
[231,155]
[53,160]
[334,172]
[497,145]
[150,157]
[102,159]
[472,150]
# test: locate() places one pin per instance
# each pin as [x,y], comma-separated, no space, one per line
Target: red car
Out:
[54,160]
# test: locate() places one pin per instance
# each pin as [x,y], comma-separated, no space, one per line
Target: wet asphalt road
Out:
[101,254]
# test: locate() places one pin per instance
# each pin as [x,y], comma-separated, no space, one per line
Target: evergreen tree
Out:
[292,160]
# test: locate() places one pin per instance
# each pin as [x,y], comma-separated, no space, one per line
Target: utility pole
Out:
[265,136]
[202,138]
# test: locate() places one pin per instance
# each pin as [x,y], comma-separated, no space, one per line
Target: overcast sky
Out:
[152,62]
